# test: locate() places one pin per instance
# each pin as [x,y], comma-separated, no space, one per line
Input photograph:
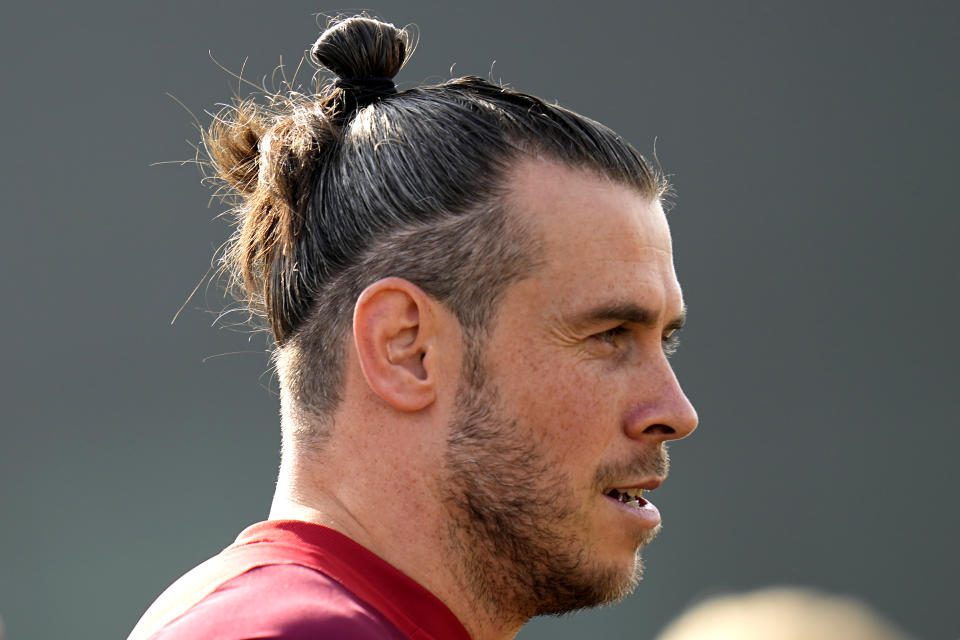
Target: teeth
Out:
[627,496]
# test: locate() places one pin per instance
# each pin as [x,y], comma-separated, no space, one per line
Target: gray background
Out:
[813,148]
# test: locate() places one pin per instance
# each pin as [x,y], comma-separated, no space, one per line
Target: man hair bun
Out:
[361,47]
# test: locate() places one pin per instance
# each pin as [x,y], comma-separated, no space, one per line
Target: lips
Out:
[633,489]
[630,500]
[630,497]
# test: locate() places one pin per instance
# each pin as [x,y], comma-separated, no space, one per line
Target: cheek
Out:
[572,411]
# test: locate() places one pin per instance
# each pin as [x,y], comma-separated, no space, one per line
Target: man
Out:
[473,298]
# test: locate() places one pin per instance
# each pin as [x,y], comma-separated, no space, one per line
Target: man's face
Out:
[569,401]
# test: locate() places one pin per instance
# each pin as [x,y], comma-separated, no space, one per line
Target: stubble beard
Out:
[512,515]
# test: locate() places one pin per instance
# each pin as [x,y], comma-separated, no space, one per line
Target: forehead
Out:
[602,241]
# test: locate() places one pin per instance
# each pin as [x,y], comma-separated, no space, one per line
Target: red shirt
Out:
[289,579]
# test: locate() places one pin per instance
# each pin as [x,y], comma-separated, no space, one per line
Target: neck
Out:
[353,504]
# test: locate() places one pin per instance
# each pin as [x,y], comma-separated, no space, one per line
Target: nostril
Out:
[659,429]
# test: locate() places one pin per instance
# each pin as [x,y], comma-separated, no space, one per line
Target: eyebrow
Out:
[628,312]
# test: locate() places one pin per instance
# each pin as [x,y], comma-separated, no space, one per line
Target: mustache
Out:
[650,463]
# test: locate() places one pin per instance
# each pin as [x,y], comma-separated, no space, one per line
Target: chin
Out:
[596,586]
[621,583]
[629,578]
[628,563]
[647,536]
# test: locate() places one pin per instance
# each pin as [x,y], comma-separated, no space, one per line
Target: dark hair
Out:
[358,182]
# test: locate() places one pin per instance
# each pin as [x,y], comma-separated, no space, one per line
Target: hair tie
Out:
[359,92]
[368,83]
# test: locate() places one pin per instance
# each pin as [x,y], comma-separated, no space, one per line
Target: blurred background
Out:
[813,148]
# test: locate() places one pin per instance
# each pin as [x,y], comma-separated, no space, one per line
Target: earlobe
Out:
[393,335]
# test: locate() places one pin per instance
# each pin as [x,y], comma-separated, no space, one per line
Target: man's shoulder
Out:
[293,579]
[286,601]
[279,579]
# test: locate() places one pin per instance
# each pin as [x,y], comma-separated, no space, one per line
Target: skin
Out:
[572,384]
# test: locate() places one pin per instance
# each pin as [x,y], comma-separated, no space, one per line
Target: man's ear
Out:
[394,332]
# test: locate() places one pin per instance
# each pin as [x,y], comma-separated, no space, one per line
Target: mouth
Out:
[630,500]
[630,496]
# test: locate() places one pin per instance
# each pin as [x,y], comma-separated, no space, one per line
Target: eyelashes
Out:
[615,337]
[612,336]
[671,343]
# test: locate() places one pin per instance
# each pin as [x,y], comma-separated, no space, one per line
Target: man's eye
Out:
[670,343]
[611,336]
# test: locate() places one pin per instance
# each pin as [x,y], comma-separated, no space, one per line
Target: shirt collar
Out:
[404,602]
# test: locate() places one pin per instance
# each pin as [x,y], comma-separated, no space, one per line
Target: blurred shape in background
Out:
[782,613]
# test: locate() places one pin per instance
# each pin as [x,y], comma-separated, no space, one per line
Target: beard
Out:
[513,516]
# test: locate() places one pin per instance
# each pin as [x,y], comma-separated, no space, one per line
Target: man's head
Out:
[472,295]
[350,186]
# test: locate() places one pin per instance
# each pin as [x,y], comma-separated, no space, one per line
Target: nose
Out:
[663,412]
